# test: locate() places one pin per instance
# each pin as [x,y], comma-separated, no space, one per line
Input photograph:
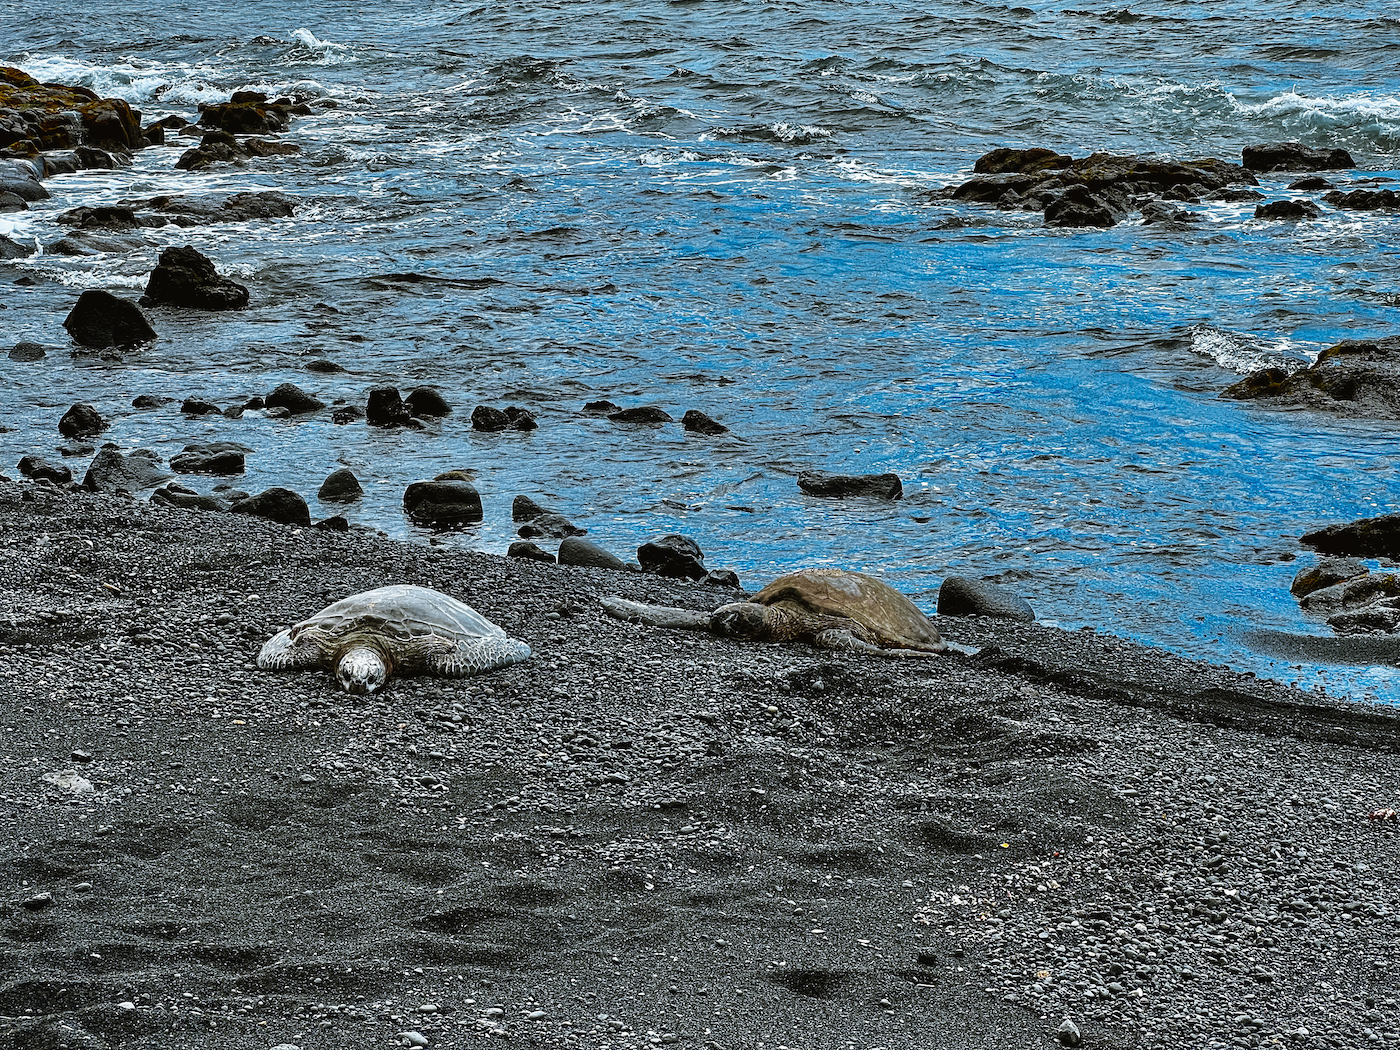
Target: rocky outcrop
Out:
[340,486]
[1364,199]
[963,596]
[27,352]
[174,494]
[1098,190]
[186,277]
[276,504]
[871,486]
[647,415]
[220,147]
[81,421]
[673,555]
[1368,538]
[180,210]
[36,117]
[100,319]
[442,504]
[111,471]
[1294,156]
[1356,377]
[216,457]
[38,467]
[1326,573]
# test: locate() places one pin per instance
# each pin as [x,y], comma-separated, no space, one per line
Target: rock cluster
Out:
[1356,377]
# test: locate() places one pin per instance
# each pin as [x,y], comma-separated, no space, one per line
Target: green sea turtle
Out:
[402,629]
[830,608]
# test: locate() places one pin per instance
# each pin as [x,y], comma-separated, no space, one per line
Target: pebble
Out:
[1068,1033]
[412,1038]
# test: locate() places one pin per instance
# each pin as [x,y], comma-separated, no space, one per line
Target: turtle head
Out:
[740,620]
[362,670]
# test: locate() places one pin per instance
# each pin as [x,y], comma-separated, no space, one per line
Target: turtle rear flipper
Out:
[841,638]
[296,649]
[460,660]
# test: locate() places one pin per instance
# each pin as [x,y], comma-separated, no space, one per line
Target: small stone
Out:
[39,902]
[1068,1033]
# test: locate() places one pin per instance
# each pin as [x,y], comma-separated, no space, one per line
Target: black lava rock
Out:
[276,504]
[81,421]
[426,402]
[385,408]
[876,486]
[962,596]
[696,422]
[442,504]
[340,486]
[673,555]
[186,277]
[217,457]
[99,319]
[294,399]
[577,551]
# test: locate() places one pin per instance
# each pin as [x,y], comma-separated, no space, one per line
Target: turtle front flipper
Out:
[297,649]
[842,638]
[442,656]
[655,615]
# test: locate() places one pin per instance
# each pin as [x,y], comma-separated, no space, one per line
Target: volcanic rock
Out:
[1368,538]
[673,555]
[962,596]
[1294,156]
[1356,377]
[1364,200]
[215,457]
[276,504]
[340,486]
[81,421]
[426,402]
[1326,573]
[38,467]
[575,550]
[294,399]
[99,319]
[529,551]
[696,422]
[27,352]
[186,277]
[649,415]
[1288,210]
[110,470]
[875,486]
[385,408]
[442,504]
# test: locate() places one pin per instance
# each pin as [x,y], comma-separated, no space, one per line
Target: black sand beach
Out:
[641,837]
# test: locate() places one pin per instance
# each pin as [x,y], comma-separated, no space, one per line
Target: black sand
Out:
[648,838]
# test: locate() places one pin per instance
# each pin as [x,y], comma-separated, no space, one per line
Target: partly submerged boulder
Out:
[100,319]
[186,277]
[1356,377]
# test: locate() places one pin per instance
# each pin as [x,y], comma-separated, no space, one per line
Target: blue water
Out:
[727,206]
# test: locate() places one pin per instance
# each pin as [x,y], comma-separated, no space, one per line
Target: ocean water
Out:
[729,207]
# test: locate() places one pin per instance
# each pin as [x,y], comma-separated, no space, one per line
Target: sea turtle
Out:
[831,608]
[400,629]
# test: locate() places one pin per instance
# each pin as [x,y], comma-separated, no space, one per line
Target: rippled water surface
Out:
[727,206]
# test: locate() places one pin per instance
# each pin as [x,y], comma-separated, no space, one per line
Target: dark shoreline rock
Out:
[1356,377]
[1294,156]
[840,486]
[100,319]
[186,277]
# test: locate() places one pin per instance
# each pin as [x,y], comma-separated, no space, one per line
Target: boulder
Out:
[340,486]
[294,399]
[489,419]
[1368,538]
[27,352]
[38,467]
[523,508]
[1294,156]
[575,550]
[177,495]
[646,415]
[727,579]
[1288,211]
[99,319]
[1022,161]
[249,116]
[521,418]
[529,551]
[217,457]
[324,366]
[275,504]
[81,421]
[385,408]
[696,422]
[146,402]
[186,277]
[1379,617]
[874,486]
[13,249]
[335,523]
[203,210]
[426,402]
[100,217]
[344,414]
[1326,573]
[194,406]
[673,555]
[1356,377]
[1355,593]
[110,470]
[600,408]
[962,596]
[549,525]
[442,504]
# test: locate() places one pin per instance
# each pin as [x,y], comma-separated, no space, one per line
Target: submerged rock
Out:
[696,422]
[872,486]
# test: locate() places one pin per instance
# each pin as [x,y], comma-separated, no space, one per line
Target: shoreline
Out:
[641,837]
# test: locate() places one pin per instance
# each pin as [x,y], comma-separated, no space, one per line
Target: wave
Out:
[1369,116]
[142,83]
[308,50]
[1244,353]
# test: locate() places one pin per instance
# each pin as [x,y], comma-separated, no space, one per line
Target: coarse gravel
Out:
[642,837]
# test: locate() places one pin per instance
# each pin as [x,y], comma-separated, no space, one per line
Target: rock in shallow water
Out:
[962,596]
[110,470]
[442,504]
[673,555]
[100,319]
[81,421]
[186,277]
[276,504]
[340,486]
[875,486]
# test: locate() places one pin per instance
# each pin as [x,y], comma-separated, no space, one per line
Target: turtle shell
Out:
[892,619]
[401,612]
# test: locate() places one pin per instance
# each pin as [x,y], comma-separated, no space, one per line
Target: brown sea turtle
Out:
[830,608]
[399,629]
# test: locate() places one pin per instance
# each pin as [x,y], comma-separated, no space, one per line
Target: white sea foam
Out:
[1327,109]
[307,50]
[1244,353]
